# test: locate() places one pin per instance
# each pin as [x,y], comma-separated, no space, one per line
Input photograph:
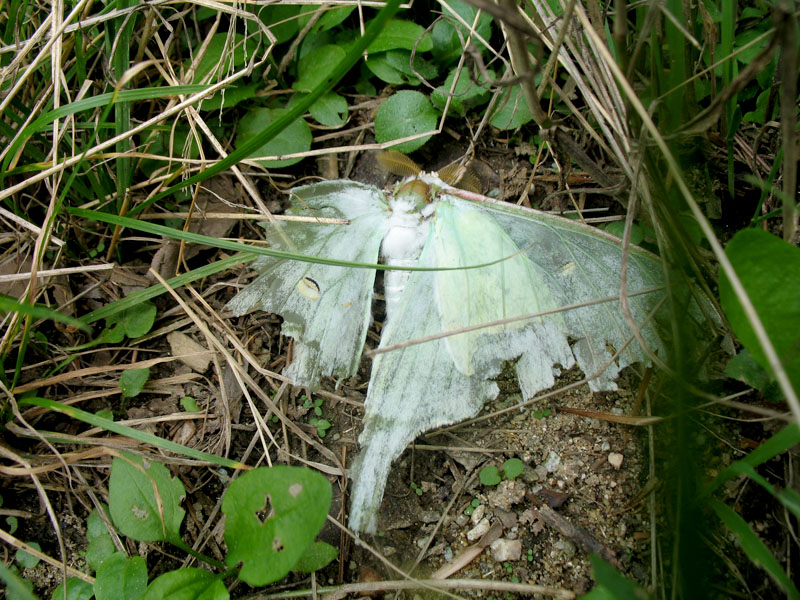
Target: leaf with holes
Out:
[273,516]
[144,500]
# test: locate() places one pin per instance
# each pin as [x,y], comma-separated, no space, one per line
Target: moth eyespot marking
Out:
[567,269]
[309,288]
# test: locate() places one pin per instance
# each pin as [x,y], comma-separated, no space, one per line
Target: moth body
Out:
[405,238]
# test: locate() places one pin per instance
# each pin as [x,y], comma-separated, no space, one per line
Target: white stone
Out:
[477,532]
[504,549]
[478,514]
[615,458]
[552,461]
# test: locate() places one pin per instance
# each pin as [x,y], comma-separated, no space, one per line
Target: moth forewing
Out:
[466,297]
[325,308]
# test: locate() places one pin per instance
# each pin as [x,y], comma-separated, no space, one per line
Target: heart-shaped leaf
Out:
[273,516]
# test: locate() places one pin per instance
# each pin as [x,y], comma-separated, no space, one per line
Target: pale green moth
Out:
[539,262]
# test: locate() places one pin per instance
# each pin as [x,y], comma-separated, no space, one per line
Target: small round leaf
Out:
[404,114]
[293,139]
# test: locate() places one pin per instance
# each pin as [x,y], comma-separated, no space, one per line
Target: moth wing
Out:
[325,308]
[411,390]
[512,286]
[582,264]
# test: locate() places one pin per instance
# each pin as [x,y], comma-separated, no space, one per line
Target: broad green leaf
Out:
[333,16]
[401,61]
[404,114]
[281,19]
[144,500]
[233,48]
[121,578]
[77,589]
[330,110]
[379,65]
[132,382]
[189,404]
[186,584]
[745,368]
[447,45]
[136,320]
[317,556]
[617,228]
[403,35]
[467,93]
[767,267]
[316,66]
[272,517]
[489,475]
[513,468]
[511,110]
[755,549]
[95,527]
[28,560]
[295,138]
[99,549]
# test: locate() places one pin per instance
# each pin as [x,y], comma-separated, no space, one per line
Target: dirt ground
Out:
[584,487]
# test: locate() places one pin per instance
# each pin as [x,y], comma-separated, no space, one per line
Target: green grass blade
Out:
[8,304]
[153,291]
[777,444]
[130,432]
[755,549]
[294,112]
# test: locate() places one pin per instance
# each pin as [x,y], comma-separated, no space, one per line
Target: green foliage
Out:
[490,475]
[767,267]
[611,585]
[132,381]
[272,517]
[405,114]
[189,404]
[754,548]
[512,110]
[512,468]
[186,584]
[317,556]
[144,500]
[77,589]
[293,139]
[121,578]
[466,95]
[27,560]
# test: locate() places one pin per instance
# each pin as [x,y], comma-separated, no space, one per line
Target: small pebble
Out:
[478,514]
[476,532]
[552,461]
[504,549]
[615,458]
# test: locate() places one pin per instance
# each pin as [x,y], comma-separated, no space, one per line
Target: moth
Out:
[453,264]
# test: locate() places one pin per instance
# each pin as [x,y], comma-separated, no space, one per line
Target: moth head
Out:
[415,191]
